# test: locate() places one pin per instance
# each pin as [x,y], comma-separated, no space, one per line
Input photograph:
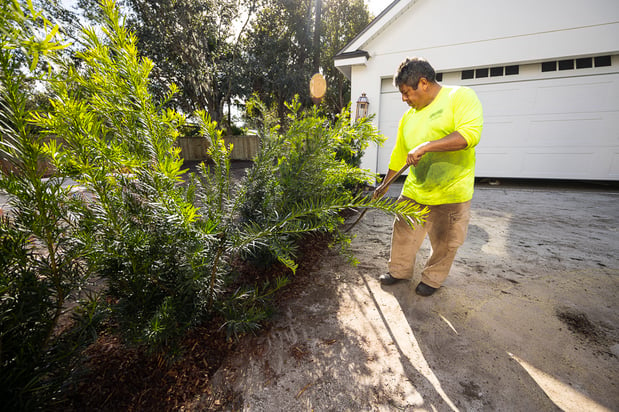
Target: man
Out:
[436,136]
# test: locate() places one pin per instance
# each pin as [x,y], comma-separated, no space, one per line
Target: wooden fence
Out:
[192,148]
[243,147]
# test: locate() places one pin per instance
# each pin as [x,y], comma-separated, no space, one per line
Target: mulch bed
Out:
[115,377]
[120,378]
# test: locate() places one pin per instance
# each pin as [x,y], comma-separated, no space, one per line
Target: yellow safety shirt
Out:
[440,177]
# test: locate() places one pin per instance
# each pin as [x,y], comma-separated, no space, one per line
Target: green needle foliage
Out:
[140,229]
[41,262]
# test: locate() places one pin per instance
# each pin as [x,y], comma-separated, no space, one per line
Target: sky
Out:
[376,6]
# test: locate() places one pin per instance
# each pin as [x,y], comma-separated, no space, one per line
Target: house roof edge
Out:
[352,54]
[375,25]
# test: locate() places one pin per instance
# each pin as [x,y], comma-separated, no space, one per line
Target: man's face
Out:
[412,97]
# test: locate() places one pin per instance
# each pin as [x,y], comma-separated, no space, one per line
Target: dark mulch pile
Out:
[115,377]
[119,378]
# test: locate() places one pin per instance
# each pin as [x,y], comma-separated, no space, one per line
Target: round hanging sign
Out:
[318,86]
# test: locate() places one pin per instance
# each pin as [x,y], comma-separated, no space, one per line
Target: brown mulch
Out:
[121,378]
[115,377]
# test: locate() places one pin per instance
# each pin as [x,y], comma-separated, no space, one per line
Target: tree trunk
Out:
[317,28]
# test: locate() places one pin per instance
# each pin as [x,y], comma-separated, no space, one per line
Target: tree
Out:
[217,50]
[342,21]
[291,39]
[277,52]
[194,45]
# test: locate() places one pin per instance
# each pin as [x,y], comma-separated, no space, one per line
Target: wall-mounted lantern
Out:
[362,106]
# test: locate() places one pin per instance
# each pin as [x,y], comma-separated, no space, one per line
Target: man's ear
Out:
[423,83]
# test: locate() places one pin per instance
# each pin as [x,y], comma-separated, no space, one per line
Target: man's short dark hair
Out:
[412,70]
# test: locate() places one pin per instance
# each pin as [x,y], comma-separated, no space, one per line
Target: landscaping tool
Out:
[377,195]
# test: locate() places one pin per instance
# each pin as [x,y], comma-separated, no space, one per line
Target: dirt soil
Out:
[526,321]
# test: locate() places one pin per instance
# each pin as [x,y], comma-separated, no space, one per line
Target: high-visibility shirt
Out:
[440,177]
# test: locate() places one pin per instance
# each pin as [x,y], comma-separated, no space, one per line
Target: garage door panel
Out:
[564,165]
[495,129]
[554,123]
[392,108]
[614,168]
[565,97]
[495,103]
[497,163]
[561,130]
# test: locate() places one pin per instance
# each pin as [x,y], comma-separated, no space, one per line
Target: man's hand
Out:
[384,186]
[450,143]
[380,191]
[414,156]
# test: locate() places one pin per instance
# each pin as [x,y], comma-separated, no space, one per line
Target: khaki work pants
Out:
[446,225]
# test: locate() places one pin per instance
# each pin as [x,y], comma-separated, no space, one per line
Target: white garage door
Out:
[559,128]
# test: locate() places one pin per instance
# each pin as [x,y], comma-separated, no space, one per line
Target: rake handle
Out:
[388,182]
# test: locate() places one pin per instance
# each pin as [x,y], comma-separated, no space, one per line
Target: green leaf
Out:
[289,263]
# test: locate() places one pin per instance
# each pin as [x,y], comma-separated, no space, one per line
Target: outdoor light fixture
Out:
[362,106]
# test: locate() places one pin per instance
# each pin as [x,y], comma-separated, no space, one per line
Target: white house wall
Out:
[455,35]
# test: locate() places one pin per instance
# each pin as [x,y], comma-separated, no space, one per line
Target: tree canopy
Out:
[220,51]
[193,44]
[278,51]
[342,21]
[283,47]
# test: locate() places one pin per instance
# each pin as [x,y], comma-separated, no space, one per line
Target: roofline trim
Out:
[375,25]
[351,55]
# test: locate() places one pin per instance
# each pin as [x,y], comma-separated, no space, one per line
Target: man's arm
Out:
[450,143]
